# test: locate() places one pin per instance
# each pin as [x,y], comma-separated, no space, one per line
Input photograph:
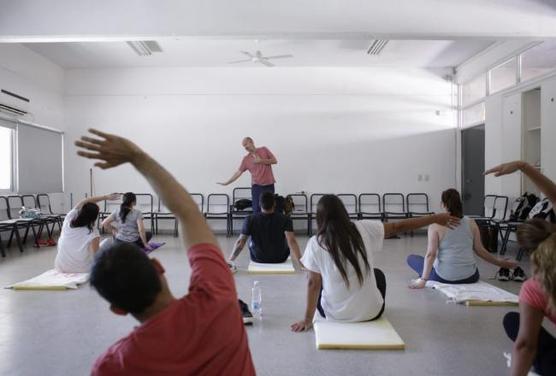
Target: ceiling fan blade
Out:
[259,54]
[239,61]
[265,62]
[279,56]
[247,53]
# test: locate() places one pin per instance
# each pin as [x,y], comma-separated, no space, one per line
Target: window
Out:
[6,167]
[503,76]
[474,90]
[538,60]
[474,115]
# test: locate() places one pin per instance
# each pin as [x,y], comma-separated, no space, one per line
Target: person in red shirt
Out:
[200,333]
[537,298]
[259,163]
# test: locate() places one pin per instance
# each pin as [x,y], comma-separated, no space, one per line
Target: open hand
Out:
[224,184]
[113,196]
[509,264]
[505,168]
[109,149]
[445,219]
[418,283]
[301,326]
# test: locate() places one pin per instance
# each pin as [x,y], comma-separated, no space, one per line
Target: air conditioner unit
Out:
[13,104]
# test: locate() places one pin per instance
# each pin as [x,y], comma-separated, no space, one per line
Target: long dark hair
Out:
[127,201]
[452,201]
[339,236]
[86,217]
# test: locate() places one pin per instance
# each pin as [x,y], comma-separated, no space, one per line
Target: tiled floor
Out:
[61,333]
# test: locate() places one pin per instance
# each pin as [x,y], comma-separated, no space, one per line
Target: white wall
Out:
[332,129]
[26,73]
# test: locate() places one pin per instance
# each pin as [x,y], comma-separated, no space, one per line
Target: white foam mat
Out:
[260,268]
[369,335]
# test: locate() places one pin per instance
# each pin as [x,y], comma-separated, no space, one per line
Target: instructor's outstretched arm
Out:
[111,151]
[234,177]
[545,185]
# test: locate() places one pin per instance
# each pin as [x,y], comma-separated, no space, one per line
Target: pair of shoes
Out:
[518,275]
[245,313]
[232,266]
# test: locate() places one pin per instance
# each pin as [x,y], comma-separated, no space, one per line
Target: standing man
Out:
[259,162]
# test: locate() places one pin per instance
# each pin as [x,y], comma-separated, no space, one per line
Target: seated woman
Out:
[534,346]
[339,258]
[450,252]
[126,223]
[79,239]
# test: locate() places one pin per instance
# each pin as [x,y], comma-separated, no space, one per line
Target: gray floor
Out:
[61,333]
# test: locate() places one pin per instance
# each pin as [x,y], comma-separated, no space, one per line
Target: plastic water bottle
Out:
[257,300]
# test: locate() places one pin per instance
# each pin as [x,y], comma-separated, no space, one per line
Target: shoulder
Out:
[533,294]
[112,361]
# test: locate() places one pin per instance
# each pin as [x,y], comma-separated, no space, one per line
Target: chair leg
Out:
[520,254]
[18,239]
[176,227]
[2,250]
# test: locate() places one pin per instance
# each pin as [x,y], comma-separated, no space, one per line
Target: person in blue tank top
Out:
[450,256]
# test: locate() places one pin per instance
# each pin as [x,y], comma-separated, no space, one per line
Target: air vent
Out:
[145,47]
[13,103]
[377,46]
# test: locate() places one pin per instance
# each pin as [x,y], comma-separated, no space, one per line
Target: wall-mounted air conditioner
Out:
[13,104]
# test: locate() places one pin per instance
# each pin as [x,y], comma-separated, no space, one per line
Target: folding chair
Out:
[239,193]
[350,203]
[370,206]
[393,206]
[417,205]
[8,224]
[15,204]
[43,202]
[30,202]
[218,208]
[313,201]
[300,209]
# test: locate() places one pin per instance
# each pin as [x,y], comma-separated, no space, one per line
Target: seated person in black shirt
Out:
[270,235]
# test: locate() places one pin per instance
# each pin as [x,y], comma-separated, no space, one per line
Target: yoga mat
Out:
[369,335]
[52,280]
[259,268]
[475,294]
[154,246]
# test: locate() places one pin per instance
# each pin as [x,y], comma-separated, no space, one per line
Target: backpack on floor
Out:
[544,210]
[522,206]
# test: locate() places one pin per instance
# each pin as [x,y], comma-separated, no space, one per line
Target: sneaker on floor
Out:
[519,275]
[245,313]
[503,274]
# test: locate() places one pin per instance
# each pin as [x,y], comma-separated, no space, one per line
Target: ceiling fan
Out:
[258,57]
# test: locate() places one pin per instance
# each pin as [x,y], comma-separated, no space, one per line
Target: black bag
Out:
[242,204]
[522,206]
[489,235]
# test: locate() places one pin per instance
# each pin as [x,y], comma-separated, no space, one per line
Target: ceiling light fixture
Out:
[377,46]
[144,47]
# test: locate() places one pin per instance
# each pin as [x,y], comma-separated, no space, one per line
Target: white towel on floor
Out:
[52,280]
[474,292]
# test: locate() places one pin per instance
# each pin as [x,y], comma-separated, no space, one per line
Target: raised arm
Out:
[483,253]
[444,219]
[112,151]
[545,185]
[234,177]
[95,199]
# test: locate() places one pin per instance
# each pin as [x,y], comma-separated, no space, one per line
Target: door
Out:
[472,167]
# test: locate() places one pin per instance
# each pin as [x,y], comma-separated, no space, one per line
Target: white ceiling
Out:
[218,52]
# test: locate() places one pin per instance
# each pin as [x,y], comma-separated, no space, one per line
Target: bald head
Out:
[248,144]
